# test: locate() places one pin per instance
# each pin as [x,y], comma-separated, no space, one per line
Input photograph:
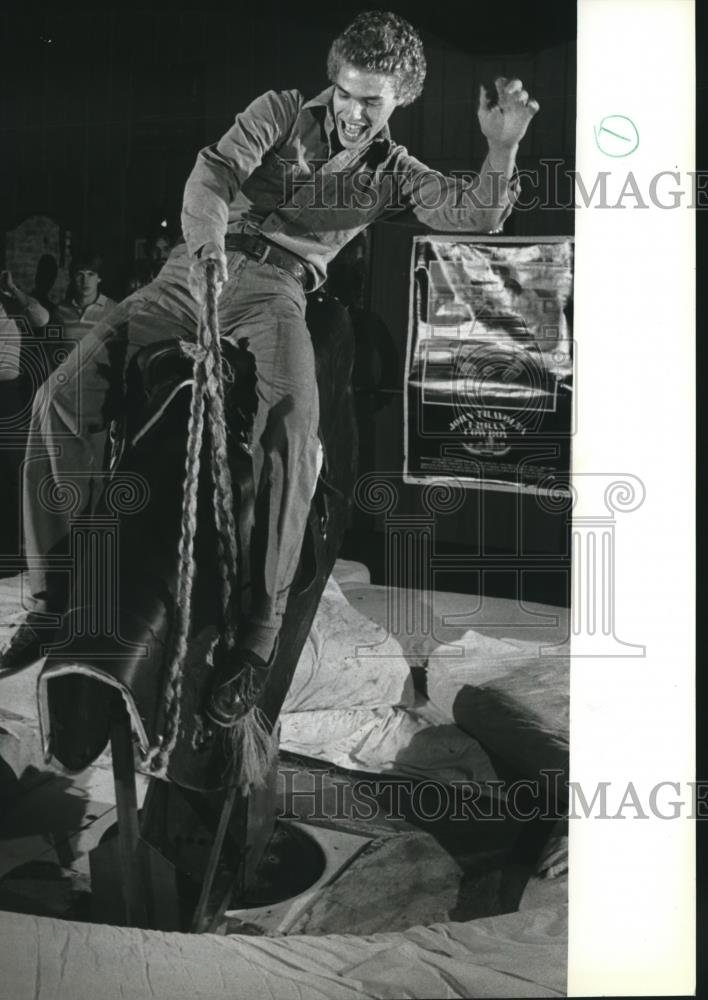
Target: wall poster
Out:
[489,363]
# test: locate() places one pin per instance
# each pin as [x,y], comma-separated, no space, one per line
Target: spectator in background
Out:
[157,248]
[19,314]
[17,303]
[147,268]
[84,305]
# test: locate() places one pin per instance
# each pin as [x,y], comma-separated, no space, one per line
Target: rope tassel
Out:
[255,748]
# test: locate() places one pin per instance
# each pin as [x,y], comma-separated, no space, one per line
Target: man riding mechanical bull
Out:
[265,209]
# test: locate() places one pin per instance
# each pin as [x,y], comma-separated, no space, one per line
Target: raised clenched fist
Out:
[505,123]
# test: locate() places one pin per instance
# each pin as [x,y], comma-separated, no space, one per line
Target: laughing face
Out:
[362,104]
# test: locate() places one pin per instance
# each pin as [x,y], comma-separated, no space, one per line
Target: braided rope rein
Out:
[208,388]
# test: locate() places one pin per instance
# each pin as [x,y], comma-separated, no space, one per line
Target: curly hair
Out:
[381,42]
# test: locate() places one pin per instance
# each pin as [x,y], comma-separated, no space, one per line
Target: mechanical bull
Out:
[107,676]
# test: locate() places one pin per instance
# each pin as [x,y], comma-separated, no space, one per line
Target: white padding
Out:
[347,571]
[515,955]
[401,741]
[348,661]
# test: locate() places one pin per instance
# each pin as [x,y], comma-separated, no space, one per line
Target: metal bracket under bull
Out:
[158,867]
[106,685]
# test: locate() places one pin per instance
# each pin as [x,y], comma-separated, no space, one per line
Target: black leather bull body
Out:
[86,673]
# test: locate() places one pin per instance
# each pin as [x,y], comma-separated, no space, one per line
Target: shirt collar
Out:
[100,300]
[324,100]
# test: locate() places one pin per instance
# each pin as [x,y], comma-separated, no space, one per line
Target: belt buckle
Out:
[262,256]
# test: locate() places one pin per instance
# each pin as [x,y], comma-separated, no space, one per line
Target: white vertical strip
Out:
[631,890]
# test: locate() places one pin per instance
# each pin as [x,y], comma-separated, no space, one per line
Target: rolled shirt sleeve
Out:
[476,202]
[21,304]
[10,344]
[36,313]
[222,168]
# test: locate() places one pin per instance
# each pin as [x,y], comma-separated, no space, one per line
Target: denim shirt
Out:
[275,173]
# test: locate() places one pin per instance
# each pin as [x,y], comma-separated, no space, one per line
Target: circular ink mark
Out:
[616,135]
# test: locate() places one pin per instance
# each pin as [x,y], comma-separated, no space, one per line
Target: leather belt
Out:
[261,250]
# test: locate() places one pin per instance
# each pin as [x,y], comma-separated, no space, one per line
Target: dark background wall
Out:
[103,108]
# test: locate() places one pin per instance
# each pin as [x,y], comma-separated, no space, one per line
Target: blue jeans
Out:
[260,304]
